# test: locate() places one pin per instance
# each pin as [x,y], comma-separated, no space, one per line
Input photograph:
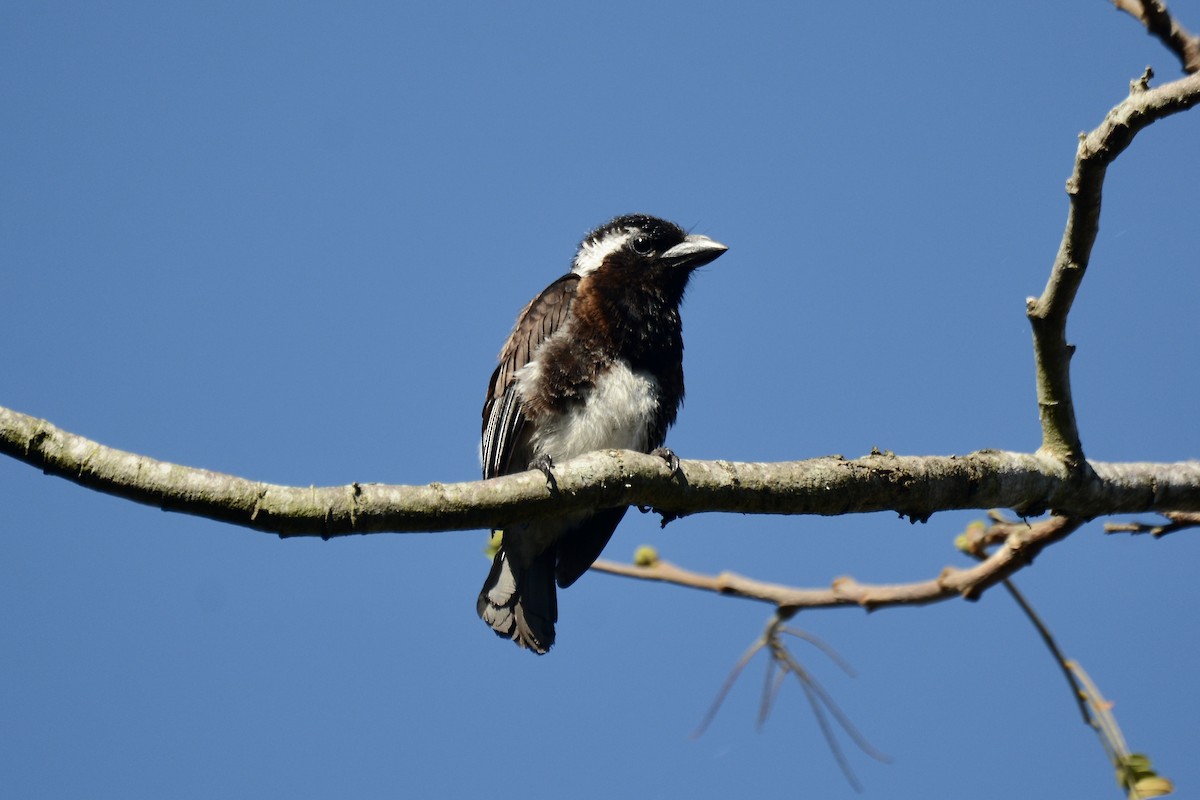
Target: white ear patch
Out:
[592,253]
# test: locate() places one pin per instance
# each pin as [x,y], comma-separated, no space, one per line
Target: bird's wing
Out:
[503,416]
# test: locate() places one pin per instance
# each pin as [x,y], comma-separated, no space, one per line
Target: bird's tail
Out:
[519,602]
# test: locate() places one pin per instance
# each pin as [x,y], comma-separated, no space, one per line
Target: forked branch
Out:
[1048,313]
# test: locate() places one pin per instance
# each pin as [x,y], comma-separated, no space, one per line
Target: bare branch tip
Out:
[1141,84]
[1133,8]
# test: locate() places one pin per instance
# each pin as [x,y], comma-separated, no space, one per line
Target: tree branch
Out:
[913,486]
[1048,313]
[1178,521]
[1159,23]
[1017,551]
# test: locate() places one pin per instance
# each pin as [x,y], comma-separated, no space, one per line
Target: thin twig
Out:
[1178,521]
[1134,772]
[780,663]
[1048,639]
[759,644]
[1015,553]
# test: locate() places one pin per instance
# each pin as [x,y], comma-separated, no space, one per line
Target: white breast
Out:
[617,414]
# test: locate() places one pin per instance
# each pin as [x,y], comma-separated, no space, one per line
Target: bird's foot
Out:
[668,455]
[544,464]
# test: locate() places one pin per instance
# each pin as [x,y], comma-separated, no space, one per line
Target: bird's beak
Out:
[694,251]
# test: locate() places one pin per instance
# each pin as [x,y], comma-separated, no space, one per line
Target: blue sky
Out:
[287,240]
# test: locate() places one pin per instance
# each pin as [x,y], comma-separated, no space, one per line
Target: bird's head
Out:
[637,249]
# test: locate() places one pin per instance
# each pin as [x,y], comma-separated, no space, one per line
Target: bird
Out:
[593,362]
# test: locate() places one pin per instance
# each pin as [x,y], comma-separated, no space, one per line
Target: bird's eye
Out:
[642,245]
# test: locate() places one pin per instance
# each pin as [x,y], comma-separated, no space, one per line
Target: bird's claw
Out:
[543,464]
[668,455]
